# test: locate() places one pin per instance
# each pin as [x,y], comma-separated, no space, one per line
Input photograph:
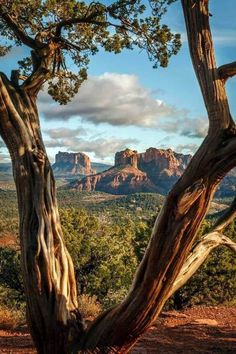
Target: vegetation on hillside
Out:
[107,242]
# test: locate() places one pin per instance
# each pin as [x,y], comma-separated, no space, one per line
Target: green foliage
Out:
[102,253]
[107,240]
[11,282]
[78,30]
[10,274]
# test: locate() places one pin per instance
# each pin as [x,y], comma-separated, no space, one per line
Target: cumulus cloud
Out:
[101,147]
[116,99]
[4,158]
[60,133]
[2,144]
[192,128]
[186,148]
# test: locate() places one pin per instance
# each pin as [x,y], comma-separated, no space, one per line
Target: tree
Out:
[50,28]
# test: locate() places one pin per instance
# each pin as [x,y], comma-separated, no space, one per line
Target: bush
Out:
[10,269]
[11,319]
[89,306]
[106,254]
[102,253]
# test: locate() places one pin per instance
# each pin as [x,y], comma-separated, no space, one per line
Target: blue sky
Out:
[127,103]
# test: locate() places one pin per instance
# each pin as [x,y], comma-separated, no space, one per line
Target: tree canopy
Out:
[61,33]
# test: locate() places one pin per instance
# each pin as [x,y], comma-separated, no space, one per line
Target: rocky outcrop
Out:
[163,167]
[127,157]
[117,181]
[155,170]
[159,162]
[72,164]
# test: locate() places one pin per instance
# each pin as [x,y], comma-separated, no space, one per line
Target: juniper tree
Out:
[58,31]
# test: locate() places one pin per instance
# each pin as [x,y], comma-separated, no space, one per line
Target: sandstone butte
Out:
[154,170]
[72,164]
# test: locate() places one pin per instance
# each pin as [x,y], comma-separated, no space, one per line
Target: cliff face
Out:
[116,180]
[163,167]
[155,170]
[127,157]
[72,164]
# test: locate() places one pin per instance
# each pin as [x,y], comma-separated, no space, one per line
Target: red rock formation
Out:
[117,180]
[155,170]
[162,162]
[72,164]
[126,157]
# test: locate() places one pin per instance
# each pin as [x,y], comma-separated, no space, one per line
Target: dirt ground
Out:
[205,330]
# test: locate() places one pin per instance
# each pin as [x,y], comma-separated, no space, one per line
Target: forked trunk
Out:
[47,267]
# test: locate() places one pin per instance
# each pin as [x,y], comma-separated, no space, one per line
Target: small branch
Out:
[228,243]
[226,71]
[76,20]
[19,33]
[199,254]
[205,245]
[227,217]
[16,76]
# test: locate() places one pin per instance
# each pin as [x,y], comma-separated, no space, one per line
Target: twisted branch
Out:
[205,245]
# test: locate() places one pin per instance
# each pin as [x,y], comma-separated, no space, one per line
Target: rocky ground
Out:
[205,330]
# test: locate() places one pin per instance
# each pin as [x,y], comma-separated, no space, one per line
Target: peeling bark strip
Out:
[55,323]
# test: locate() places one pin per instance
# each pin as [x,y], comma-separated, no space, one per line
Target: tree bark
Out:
[50,286]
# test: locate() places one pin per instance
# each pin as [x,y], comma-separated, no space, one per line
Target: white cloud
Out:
[2,144]
[60,133]
[116,99]
[192,128]
[186,148]
[101,147]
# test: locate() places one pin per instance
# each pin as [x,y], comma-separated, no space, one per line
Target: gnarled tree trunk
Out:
[48,270]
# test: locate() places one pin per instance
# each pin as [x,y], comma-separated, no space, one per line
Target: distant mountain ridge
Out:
[155,170]
[75,164]
[66,164]
[72,164]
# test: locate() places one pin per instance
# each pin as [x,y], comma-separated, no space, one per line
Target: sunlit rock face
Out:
[72,164]
[163,167]
[126,157]
[154,170]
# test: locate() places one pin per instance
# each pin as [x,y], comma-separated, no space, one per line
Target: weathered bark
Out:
[48,270]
